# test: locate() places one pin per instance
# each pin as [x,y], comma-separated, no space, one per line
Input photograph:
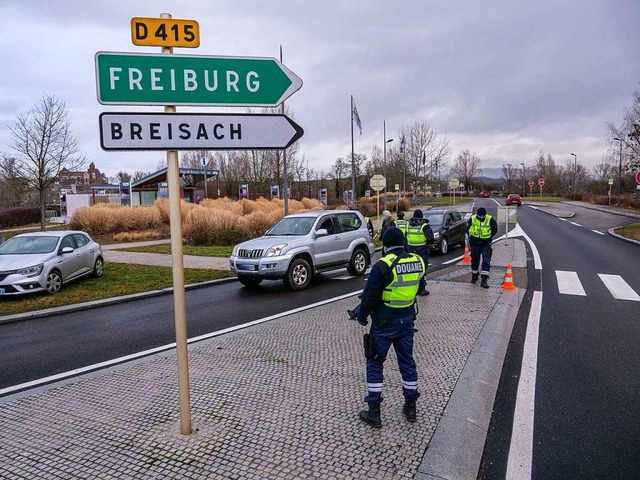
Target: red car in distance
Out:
[513,199]
[485,194]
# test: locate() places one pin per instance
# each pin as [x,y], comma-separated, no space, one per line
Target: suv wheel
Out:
[249,281]
[358,264]
[299,275]
[444,246]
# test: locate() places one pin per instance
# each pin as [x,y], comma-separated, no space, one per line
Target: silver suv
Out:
[303,244]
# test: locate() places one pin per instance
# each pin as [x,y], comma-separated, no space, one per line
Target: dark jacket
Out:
[478,241]
[379,279]
[426,228]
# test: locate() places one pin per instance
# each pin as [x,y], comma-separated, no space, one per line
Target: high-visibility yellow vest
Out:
[402,225]
[481,230]
[402,290]
[415,235]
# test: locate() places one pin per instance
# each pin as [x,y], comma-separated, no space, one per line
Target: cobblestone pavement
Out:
[277,401]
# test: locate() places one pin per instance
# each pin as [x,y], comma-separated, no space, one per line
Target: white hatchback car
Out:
[44,261]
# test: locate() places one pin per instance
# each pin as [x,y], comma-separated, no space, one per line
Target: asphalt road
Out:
[35,349]
[587,415]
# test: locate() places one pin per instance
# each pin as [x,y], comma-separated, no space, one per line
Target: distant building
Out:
[79,182]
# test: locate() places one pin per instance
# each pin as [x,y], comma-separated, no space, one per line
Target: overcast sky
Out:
[501,78]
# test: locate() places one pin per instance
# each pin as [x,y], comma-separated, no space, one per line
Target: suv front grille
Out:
[256,253]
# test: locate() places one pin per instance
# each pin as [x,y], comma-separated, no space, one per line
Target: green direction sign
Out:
[156,79]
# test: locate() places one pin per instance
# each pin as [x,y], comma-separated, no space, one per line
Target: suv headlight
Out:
[234,253]
[31,271]
[275,251]
[436,235]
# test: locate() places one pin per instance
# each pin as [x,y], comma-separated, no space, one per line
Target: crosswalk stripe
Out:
[619,288]
[597,231]
[569,283]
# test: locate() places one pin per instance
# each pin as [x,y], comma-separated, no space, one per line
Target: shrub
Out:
[18,216]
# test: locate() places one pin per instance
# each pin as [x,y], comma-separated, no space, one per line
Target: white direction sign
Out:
[454,183]
[378,182]
[175,131]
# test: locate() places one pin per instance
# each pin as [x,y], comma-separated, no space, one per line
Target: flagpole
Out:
[353,165]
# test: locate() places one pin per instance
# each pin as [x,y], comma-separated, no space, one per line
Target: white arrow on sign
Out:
[176,131]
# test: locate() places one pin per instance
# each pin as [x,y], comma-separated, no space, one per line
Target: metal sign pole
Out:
[173,180]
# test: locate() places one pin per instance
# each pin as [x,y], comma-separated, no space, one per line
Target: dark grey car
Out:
[449,228]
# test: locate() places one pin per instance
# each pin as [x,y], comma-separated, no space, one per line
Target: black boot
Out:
[372,416]
[483,282]
[474,277]
[409,410]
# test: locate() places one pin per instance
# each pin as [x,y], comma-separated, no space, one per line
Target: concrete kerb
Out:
[455,450]
[612,232]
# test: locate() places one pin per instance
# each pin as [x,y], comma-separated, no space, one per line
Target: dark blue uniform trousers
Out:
[399,333]
[483,249]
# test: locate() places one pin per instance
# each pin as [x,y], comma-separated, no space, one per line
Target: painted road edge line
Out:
[598,232]
[521,448]
[109,363]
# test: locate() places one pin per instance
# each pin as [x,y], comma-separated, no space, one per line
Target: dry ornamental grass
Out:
[211,222]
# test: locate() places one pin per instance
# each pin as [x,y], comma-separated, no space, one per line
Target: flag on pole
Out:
[354,115]
[402,144]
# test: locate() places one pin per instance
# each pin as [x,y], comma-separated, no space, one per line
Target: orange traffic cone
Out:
[508,280]
[467,255]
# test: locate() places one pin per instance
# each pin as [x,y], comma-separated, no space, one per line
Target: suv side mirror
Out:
[322,232]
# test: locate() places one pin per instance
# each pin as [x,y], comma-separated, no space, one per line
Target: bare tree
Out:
[45,145]
[12,187]
[605,170]
[123,176]
[509,174]
[466,167]
[138,175]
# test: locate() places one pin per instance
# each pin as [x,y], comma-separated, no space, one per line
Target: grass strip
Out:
[631,231]
[118,279]
[223,251]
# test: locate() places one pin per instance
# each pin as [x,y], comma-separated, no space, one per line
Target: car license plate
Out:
[248,267]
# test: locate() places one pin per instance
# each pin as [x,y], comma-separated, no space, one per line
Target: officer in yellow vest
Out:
[481,228]
[401,223]
[389,297]
[419,237]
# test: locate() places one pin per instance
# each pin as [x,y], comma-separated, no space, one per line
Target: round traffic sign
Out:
[204,161]
[378,182]
[638,177]
[531,183]
[541,182]
[454,183]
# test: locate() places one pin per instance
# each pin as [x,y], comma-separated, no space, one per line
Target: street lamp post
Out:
[524,180]
[575,173]
[619,169]
[481,180]
[384,160]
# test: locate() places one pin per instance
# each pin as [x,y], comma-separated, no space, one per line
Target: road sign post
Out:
[454,183]
[531,188]
[204,161]
[152,79]
[541,183]
[377,183]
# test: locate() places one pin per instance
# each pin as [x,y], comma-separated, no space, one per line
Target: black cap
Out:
[417,213]
[393,237]
[481,212]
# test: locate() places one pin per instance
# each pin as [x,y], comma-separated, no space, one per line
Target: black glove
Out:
[362,320]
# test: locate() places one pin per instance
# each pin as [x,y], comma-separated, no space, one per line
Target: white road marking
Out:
[569,283]
[576,224]
[457,259]
[521,448]
[619,288]
[518,232]
[531,206]
[563,219]
[596,231]
[170,346]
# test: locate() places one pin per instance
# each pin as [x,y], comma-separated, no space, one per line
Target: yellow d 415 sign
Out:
[165,32]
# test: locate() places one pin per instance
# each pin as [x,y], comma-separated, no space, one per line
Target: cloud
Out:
[502,78]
